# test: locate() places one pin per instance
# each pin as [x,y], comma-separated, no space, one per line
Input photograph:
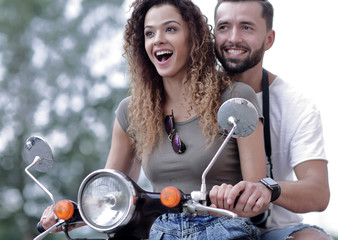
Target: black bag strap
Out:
[266,110]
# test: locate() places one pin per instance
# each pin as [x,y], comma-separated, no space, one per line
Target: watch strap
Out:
[275,188]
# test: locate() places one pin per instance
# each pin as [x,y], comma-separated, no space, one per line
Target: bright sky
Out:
[303,53]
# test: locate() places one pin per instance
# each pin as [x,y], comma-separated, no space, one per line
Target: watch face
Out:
[270,181]
[273,186]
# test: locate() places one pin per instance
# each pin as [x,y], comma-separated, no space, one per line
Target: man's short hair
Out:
[267,10]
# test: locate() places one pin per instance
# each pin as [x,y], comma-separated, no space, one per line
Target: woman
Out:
[173,77]
[170,119]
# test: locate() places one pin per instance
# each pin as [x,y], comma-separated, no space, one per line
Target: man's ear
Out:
[270,39]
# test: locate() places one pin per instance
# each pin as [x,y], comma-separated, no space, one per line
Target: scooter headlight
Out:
[106,200]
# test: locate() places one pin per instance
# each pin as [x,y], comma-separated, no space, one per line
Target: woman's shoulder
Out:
[122,113]
[240,90]
[125,101]
[123,105]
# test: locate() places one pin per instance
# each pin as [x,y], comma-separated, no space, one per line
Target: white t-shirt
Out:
[296,136]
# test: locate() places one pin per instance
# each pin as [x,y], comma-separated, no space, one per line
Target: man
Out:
[243,32]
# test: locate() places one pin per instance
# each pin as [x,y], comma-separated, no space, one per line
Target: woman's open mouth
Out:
[163,56]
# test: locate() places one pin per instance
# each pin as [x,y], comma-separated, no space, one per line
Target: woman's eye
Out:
[171,29]
[148,34]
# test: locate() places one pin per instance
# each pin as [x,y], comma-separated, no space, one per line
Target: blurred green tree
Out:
[61,76]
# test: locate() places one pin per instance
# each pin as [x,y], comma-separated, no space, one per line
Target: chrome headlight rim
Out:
[123,179]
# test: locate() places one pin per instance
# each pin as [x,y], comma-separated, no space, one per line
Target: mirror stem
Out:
[232,121]
[37,160]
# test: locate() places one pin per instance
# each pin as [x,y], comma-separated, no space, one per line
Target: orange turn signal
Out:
[170,197]
[64,209]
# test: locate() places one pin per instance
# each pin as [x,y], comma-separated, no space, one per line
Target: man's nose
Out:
[235,35]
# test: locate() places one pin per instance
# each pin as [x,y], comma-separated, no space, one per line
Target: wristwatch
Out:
[273,186]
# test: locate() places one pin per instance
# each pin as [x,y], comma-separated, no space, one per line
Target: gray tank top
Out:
[184,171]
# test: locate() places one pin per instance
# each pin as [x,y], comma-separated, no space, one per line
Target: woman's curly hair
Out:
[204,83]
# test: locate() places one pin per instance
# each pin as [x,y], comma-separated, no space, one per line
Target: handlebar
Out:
[194,207]
[45,232]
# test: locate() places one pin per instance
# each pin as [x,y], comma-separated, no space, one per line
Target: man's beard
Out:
[234,66]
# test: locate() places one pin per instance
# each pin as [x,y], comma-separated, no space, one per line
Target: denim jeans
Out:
[284,233]
[180,226]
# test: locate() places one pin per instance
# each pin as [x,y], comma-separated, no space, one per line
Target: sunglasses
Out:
[177,144]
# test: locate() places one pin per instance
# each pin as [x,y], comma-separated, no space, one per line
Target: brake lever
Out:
[52,228]
[194,207]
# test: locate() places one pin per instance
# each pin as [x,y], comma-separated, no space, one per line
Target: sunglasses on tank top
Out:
[178,146]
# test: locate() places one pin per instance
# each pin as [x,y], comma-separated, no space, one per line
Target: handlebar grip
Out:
[208,200]
[40,228]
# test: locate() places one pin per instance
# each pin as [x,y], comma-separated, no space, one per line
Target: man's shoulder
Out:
[288,91]
[289,100]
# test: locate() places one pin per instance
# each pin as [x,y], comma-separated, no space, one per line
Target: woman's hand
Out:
[247,199]
[48,219]
[219,196]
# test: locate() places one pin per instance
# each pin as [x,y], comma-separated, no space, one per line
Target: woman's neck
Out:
[177,99]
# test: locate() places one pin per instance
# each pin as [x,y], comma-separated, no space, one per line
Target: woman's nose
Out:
[159,39]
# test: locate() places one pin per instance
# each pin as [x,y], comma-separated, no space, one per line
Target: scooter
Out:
[112,203]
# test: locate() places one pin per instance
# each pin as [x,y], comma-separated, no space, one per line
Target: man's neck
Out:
[252,77]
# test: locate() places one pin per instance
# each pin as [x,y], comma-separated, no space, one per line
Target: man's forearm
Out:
[303,196]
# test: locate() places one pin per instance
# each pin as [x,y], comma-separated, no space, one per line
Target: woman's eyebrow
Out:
[164,24]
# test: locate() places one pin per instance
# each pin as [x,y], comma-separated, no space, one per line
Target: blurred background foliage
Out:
[61,76]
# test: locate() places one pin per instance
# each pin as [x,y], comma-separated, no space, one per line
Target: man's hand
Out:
[247,199]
